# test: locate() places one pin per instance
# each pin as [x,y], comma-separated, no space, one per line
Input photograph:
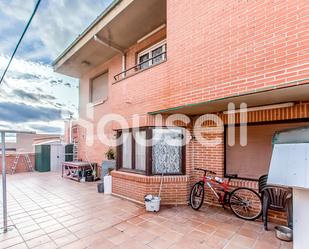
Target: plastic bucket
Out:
[153,205]
[100,187]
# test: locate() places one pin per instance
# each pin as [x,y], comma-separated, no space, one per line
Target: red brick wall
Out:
[175,189]
[222,48]
[21,166]
[215,49]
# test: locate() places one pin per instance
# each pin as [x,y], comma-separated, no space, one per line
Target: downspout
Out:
[99,40]
[124,59]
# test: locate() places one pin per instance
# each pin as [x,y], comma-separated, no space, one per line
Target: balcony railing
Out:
[141,66]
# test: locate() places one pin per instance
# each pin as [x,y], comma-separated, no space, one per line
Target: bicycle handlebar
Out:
[206,171]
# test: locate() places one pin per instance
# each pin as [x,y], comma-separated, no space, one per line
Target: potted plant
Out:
[110,154]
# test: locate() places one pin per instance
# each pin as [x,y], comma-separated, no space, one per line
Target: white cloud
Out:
[19,9]
[30,95]
[56,24]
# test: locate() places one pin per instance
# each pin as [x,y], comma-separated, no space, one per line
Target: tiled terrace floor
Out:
[51,212]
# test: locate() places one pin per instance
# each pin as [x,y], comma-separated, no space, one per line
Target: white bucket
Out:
[107,184]
[153,205]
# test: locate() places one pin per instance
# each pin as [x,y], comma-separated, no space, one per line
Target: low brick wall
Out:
[175,189]
[21,166]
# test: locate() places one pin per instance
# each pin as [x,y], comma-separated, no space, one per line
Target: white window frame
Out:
[149,51]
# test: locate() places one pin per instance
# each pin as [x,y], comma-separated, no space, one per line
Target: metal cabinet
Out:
[42,158]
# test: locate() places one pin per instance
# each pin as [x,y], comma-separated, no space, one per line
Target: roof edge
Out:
[98,19]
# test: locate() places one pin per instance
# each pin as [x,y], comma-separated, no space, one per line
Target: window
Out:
[166,150]
[253,160]
[99,89]
[152,55]
[127,150]
[164,153]
[140,150]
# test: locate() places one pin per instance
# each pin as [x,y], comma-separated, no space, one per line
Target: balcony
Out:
[119,27]
[142,66]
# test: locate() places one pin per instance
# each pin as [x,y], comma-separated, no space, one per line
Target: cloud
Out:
[20,112]
[33,97]
[26,76]
[46,128]
[36,84]
[25,95]
[56,24]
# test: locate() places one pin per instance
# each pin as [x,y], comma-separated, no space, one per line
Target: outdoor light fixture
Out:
[260,108]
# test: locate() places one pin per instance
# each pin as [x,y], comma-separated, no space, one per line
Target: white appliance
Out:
[290,167]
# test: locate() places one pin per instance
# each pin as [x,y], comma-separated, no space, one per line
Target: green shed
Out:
[42,158]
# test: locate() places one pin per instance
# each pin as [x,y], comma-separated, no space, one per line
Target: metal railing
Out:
[138,67]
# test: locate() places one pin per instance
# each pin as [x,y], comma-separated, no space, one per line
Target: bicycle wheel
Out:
[197,195]
[245,203]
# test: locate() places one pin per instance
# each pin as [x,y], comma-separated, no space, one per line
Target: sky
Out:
[32,96]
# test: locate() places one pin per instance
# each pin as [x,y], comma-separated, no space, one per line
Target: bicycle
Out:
[244,202]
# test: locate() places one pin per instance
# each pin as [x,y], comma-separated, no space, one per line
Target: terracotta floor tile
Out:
[11,242]
[131,244]
[119,238]
[19,246]
[75,245]
[136,220]
[38,241]
[83,233]
[62,241]
[205,228]
[48,245]
[33,234]
[216,242]
[28,229]
[243,241]
[171,236]
[59,233]
[248,233]
[160,243]
[265,245]
[11,234]
[54,216]
[145,237]
[224,233]
[53,228]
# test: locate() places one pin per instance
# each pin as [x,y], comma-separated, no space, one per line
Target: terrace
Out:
[45,211]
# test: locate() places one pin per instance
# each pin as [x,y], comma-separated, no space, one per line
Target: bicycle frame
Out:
[209,181]
[236,198]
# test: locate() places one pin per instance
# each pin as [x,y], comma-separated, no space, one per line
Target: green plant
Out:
[110,154]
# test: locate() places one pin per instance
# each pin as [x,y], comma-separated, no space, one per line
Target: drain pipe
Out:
[99,40]
[124,59]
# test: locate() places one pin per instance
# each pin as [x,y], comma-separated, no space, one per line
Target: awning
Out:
[252,99]
[119,26]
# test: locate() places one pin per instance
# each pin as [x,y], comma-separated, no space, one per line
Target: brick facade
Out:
[215,49]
